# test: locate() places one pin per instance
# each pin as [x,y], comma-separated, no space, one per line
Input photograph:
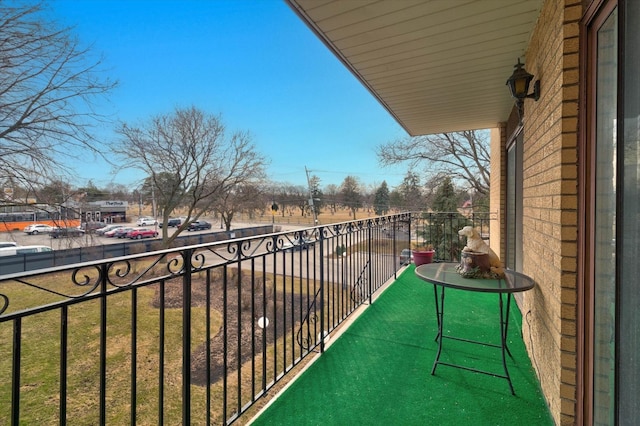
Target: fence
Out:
[440,229]
[190,335]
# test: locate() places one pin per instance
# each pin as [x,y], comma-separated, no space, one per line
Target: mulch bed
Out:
[247,317]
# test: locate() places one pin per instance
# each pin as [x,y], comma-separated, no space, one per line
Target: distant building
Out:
[111,211]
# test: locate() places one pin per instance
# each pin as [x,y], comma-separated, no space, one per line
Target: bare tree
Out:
[331,192]
[193,148]
[459,155]
[242,199]
[48,86]
[350,194]
[299,197]
[282,196]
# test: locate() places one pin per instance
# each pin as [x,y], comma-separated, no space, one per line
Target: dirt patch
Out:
[246,302]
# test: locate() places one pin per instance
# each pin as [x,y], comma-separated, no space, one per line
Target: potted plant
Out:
[423,254]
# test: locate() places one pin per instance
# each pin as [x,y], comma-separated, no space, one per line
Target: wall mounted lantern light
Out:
[519,87]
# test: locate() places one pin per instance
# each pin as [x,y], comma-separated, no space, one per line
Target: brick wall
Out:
[550,204]
[497,187]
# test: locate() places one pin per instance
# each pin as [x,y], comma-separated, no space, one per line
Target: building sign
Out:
[124,204]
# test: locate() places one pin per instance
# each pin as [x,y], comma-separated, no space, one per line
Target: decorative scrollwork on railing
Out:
[283,242]
[89,277]
[198,260]
[175,265]
[338,229]
[270,244]
[350,227]
[120,269]
[4,303]
[81,278]
[234,250]
[275,244]
[307,341]
[380,222]
[360,286]
[245,248]
[316,234]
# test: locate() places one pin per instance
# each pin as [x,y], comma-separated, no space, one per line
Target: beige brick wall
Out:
[497,187]
[550,203]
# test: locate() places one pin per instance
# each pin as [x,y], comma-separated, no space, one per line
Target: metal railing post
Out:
[322,278]
[369,277]
[186,339]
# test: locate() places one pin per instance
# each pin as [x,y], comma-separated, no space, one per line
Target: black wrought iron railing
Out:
[191,335]
[89,251]
[440,230]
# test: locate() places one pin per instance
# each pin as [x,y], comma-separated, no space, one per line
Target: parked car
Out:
[138,234]
[174,221]
[199,225]
[38,228]
[105,229]
[406,256]
[91,227]
[66,232]
[298,244]
[112,232]
[120,232]
[146,221]
[7,244]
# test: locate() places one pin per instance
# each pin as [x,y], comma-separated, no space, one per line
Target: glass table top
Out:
[446,275]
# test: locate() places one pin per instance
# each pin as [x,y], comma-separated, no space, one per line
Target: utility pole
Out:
[313,207]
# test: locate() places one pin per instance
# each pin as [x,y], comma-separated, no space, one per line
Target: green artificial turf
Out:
[379,371]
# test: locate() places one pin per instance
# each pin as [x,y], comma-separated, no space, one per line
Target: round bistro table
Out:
[445,275]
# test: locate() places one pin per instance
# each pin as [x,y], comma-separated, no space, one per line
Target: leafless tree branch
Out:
[461,155]
[190,160]
[48,86]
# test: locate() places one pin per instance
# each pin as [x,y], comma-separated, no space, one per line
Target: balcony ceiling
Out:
[435,65]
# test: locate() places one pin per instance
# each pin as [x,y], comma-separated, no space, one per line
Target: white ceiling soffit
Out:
[435,65]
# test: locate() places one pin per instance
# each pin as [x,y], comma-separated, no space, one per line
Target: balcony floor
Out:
[378,371]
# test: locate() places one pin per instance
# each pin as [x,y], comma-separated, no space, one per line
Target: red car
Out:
[138,234]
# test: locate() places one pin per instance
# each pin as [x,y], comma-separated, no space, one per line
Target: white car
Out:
[105,229]
[146,221]
[38,228]
[12,251]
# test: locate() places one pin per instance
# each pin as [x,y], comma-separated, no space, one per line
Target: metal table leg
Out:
[504,349]
[435,296]
[504,326]
[439,337]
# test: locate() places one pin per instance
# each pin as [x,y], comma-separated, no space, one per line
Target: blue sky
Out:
[255,63]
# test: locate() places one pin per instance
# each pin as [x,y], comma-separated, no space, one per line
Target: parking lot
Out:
[89,239]
[92,239]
